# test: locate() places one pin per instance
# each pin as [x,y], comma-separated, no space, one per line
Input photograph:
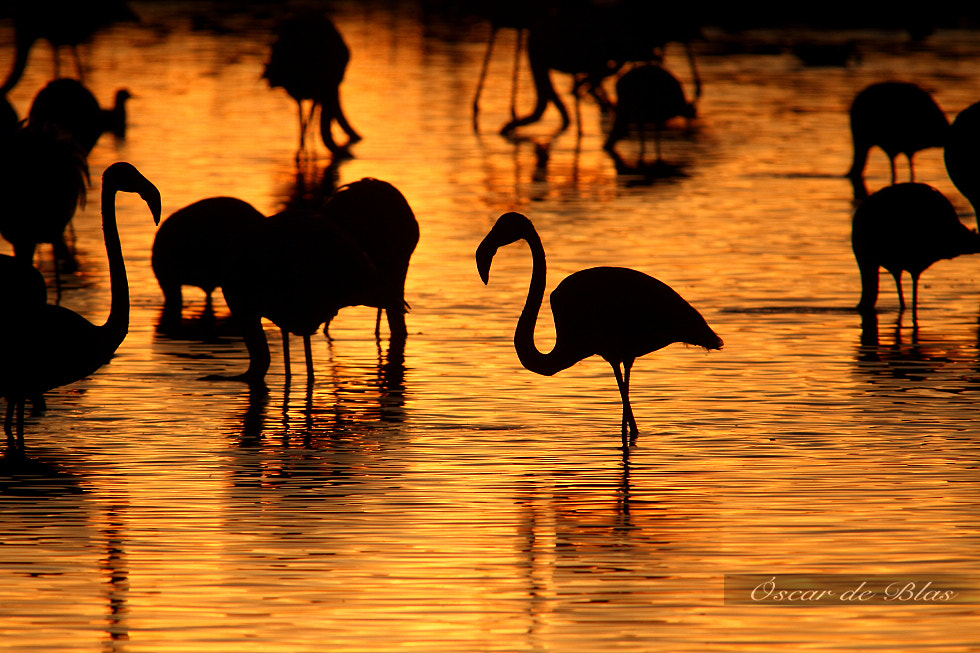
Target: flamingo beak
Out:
[484,257]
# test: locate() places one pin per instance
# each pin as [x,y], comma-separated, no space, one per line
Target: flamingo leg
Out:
[915,297]
[893,170]
[308,349]
[483,76]
[898,285]
[515,74]
[622,380]
[285,354]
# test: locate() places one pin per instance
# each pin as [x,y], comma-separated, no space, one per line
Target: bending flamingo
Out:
[906,227]
[617,313]
[54,346]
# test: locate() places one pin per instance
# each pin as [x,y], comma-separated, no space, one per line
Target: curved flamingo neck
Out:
[117,325]
[529,355]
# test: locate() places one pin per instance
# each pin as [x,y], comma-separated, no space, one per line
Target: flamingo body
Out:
[43,177]
[905,228]
[308,59]
[962,153]
[195,245]
[647,95]
[898,117]
[70,106]
[617,313]
[378,217]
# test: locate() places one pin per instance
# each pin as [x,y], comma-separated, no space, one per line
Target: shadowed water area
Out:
[434,494]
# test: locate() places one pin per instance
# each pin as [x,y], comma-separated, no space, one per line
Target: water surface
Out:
[442,497]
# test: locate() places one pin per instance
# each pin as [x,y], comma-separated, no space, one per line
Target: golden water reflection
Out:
[441,497]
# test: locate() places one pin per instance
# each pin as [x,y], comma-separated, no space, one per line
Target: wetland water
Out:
[443,497]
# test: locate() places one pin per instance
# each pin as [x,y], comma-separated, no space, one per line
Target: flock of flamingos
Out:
[298,268]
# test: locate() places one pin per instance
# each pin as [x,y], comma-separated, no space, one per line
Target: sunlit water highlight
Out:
[444,498]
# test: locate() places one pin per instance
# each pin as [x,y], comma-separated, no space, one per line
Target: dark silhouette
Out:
[62,24]
[617,313]
[647,95]
[378,217]
[898,117]
[67,104]
[962,154]
[194,246]
[905,227]
[308,59]
[298,272]
[23,291]
[8,116]
[507,14]
[43,177]
[54,346]
[592,43]
[304,265]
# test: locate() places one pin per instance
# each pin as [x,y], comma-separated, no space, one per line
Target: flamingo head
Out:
[509,228]
[122,176]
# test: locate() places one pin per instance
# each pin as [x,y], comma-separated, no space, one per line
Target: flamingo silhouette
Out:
[962,154]
[905,227]
[54,346]
[308,59]
[378,217]
[298,272]
[194,247]
[61,24]
[898,117]
[592,43]
[617,313]
[24,291]
[647,94]
[67,104]
[43,177]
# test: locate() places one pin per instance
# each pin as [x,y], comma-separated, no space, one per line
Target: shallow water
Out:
[444,498]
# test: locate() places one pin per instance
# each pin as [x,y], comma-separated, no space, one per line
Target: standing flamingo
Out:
[61,24]
[898,117]
[298,271]
[378,217]
[905,227]
[308,59]
[617,313]
[195,247]
[70,106]
[43,177]
[647,94]
[54,346]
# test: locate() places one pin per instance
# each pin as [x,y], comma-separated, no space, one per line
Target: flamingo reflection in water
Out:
[50,346]
[618,313]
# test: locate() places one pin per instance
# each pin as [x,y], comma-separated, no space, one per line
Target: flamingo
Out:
[298,271]
[647,94]
[592,43]
[898,117]
[194,247]
[962,154]
[617,313]
[61,24]
[905,227]
[378,217]
[43,177]
[53,346]
[308,59]
[67,104]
